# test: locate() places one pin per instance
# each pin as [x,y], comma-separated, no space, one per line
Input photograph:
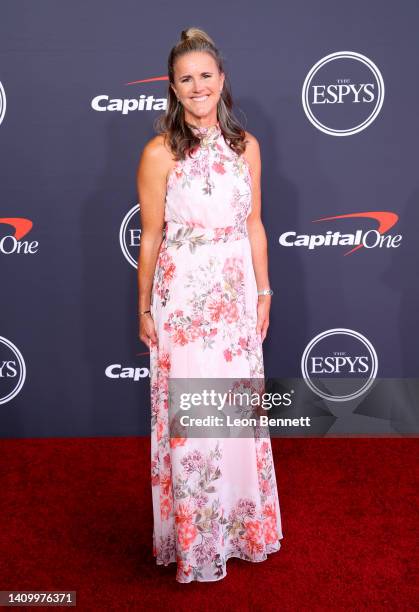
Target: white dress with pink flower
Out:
[213,498]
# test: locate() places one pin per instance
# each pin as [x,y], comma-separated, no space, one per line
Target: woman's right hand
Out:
[147,330]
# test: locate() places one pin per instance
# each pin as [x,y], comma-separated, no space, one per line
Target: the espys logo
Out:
[343,93]
[357,239]
[129,235]
[2,102]
[339,364]
[12,370]
[143,102]
[12,243]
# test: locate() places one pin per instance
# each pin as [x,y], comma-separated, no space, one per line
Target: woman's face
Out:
[198,85]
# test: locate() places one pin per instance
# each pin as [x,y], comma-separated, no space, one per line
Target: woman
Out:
[204,301]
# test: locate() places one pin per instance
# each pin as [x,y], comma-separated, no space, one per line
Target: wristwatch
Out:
[266,292]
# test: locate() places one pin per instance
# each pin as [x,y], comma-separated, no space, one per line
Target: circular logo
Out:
[12,370]
[129,236]
[343,93]
[2,103]
[339,364]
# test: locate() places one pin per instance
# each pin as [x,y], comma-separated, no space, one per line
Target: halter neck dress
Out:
[213,498]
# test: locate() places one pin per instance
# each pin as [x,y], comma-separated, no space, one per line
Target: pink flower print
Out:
[186,530]
[228,355]
[169,272]
[166,507]
[201,500]
[265,448]
[166,482]
[174,442]
[215,308]
[246,507]
[184,512]
[233,270]
[218,167]
[265,486]
[230,312]
[269,524]
[262,456]
[195,328]
[183,567]
[193,461]
[164,362]
[254,537]
[160,429]
[205,551]
[180,337]
[165,272]
[186,535]
[155,479]
[222,233]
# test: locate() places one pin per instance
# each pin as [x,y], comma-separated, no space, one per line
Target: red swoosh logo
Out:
[160,78]
[22,226]
[386,220]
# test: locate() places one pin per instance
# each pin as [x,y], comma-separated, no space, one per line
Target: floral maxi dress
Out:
[213,498]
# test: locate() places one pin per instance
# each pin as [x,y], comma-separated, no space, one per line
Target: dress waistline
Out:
[177,234]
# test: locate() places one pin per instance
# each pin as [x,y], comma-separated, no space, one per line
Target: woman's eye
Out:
[206,76]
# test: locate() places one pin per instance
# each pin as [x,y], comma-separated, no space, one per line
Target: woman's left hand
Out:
[263,307]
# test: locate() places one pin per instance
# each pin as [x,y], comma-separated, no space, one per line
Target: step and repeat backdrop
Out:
[331,92]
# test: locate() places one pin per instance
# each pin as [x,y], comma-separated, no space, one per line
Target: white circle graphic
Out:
[22,373]
[2,102]
[122,235]
[306,87]
[349,332]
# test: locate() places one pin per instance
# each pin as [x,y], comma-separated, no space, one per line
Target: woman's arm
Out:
[257,234]
[151,184]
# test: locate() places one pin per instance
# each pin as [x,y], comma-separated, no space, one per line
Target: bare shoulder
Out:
[251,140]
[156,156]
[252,152]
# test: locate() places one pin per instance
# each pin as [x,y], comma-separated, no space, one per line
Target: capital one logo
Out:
[343,93]
[129,235]
[133,374]
[142,102]
[2,103]
[12,370]
[357,239]
[11,243]
[339,364]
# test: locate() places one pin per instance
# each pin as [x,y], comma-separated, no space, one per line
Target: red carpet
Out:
[76,515]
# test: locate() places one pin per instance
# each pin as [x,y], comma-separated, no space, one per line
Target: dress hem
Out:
[231,555]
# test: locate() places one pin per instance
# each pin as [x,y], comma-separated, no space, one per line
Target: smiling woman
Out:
[202,316]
